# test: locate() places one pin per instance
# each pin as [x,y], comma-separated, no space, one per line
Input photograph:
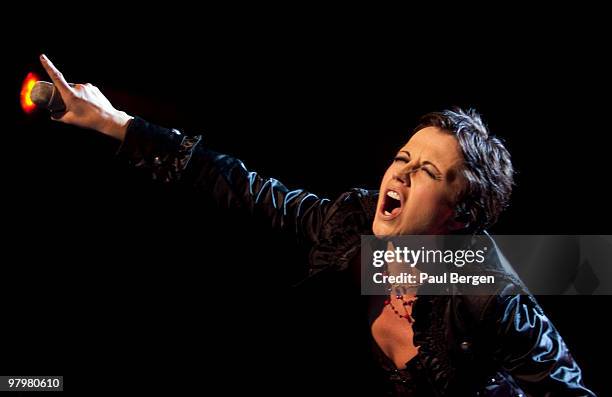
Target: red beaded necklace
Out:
[405,305]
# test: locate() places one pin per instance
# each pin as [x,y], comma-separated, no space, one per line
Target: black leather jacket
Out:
[497,345]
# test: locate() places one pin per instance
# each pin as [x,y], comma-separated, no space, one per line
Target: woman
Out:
[451,177]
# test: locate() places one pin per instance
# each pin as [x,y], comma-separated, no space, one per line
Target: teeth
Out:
[387,212]
[393,195]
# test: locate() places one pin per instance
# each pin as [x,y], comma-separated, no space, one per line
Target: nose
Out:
[403,175]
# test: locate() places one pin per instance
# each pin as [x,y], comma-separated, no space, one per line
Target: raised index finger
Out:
[56,76]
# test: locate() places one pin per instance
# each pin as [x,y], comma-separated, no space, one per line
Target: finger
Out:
[56,77]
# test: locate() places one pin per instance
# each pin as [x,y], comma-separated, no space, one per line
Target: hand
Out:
[86,106]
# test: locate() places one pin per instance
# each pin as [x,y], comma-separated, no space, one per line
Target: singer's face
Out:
[420,189]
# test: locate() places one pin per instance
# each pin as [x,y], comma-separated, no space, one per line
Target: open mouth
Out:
[392,204]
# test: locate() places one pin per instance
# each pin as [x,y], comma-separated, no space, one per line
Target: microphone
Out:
[46,95]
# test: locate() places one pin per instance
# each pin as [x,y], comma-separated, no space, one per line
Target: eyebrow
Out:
[424,162]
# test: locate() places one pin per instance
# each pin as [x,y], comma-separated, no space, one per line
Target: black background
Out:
[110,275]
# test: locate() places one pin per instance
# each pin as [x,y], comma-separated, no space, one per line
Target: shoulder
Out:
[347,218]
[352,210]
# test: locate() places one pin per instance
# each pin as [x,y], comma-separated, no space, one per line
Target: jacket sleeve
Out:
[170,156]
[531,350]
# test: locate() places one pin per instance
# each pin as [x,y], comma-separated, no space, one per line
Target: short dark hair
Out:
[487,166]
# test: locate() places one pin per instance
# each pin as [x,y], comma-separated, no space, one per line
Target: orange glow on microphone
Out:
[26,90]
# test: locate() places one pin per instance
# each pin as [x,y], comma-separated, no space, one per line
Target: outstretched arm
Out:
[171,156]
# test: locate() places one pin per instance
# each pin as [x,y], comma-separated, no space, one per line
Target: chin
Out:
[382,228]
[399,227]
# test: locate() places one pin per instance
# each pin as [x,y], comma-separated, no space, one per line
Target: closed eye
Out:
[432,174]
